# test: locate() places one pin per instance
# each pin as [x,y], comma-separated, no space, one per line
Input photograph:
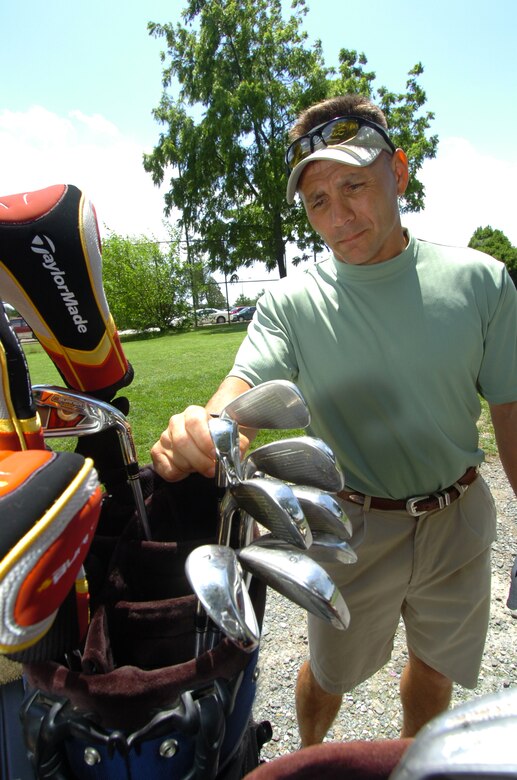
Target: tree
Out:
[144,286]
[244,300]
[495,243]
[205,289]
[242,75]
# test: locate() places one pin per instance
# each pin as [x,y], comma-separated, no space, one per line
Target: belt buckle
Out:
[411,506]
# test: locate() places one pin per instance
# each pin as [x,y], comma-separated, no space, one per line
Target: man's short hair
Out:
[342,105]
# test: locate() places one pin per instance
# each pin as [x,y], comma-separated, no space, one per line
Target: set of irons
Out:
[288,487]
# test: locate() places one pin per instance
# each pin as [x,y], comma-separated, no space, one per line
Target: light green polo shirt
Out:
[390,359]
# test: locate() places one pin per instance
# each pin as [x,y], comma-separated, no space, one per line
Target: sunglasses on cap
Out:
[332,133]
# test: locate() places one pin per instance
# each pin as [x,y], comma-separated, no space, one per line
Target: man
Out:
[390,340]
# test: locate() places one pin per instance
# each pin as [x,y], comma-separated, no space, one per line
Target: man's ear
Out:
[400,167]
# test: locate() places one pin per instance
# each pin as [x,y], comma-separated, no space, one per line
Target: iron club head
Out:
[273,504]
[296,576]
[65,412]
[304,460]
[323,511]
[325,548]
[216,578]
[276,404]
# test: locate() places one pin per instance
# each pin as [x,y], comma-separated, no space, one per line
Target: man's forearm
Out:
[504,419]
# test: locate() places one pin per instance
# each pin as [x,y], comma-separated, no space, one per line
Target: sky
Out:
[80,81]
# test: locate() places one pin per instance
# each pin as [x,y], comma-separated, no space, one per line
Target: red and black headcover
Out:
[49,507]
[51,272]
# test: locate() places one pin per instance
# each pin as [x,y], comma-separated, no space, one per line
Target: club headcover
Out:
[49,505]
[51,272]
[20,427]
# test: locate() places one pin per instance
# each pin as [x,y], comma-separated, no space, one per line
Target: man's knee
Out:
[422,669]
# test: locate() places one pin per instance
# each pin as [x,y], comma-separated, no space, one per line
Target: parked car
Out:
[21,328]
[236,309]
[208,316]
[244,315]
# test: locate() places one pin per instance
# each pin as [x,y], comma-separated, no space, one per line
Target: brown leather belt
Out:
[417,505]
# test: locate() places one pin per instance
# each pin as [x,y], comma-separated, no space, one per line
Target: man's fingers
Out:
[185,446]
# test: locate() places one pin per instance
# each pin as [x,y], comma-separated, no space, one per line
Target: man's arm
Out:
[504,419]
[186,446]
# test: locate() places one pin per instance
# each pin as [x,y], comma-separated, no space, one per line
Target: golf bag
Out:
[111,685]
[125,695]
[132,699]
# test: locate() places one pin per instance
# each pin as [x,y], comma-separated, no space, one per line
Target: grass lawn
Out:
[176,370]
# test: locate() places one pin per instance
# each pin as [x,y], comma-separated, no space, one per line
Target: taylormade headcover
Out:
[51,272]
[49,508]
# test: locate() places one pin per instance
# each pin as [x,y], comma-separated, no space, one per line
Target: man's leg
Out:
[315,708]
[424,693]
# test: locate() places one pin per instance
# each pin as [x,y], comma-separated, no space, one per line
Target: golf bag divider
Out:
[137,701]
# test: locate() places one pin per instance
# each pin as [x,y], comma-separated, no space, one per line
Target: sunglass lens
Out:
[342,130]
[298,151]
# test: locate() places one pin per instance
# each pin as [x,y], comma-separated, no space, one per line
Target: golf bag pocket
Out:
[51,272]
[139,702]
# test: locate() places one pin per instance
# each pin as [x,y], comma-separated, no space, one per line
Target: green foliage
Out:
[243,300]
[246,73]
[241,74]
[145,287]
[495,243]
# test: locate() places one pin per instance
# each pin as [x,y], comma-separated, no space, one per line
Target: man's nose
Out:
[342,211]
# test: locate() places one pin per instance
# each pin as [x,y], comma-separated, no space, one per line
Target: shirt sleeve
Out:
[497,380]
[267,352]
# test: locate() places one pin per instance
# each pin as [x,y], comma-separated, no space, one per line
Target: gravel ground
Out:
[372,710]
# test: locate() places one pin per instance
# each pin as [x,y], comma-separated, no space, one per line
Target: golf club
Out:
[65,412]
[225,437]
[216,578]
[273,504]
[277,404]
[325,547]
[323,511]
[304,460]
[296,576]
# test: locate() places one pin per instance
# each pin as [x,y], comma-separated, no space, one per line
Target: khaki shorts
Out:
[433,570]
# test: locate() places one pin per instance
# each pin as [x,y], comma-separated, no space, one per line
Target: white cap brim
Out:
[347,154]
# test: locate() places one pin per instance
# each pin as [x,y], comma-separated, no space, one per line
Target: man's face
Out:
[355,210]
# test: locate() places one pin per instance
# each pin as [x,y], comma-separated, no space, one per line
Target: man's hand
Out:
[185,446]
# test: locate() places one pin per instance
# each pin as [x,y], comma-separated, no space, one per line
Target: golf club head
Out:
[277,404]
[323,511]
[300,579]
[273,504]
[225,437]
[471,742]
[216,578]
[65,412]
[325,548]
[304,460]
